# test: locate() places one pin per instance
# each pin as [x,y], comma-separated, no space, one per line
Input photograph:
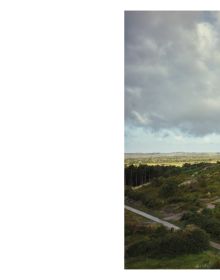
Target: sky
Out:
[172,81]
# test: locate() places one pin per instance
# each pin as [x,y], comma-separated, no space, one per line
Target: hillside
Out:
[187,195]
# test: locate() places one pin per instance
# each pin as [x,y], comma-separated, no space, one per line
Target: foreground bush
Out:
[190,240]
[195,239]
[205,220]
[215,265]
[138,248]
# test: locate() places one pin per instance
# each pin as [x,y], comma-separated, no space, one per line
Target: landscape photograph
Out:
[172,139]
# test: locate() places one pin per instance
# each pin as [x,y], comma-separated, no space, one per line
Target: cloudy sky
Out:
[172,81]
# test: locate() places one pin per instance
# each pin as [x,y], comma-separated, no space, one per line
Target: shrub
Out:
[195,239]
[215,265]
[168,189]
[207,212]
[128,229]
[133,194]
[202,182]
[132,228]
[175,199]
[159,231]
[138,248]
[212,226]
[205,220]
[191,217]
[168,244]
[157,182]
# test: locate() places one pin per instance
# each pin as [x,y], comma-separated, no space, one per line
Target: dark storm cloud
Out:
[172,70]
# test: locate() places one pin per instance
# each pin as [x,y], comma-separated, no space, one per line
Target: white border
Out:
[62,139]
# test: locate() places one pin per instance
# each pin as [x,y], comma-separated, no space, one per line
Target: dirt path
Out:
[148,216]
[166,224]
[174,217]
[215,245]
[141,186]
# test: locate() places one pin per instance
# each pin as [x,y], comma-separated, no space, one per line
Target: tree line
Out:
[138,175]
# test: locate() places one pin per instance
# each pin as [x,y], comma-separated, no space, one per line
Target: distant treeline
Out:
[138,175]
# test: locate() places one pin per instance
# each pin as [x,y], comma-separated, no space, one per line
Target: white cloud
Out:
[207,40]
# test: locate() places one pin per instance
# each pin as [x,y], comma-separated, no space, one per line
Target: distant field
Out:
[177,159]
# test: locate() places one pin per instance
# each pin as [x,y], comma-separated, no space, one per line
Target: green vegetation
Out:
[150,245]
[165,243]
[188,196]
[192,188]
[208,220]
[206,260]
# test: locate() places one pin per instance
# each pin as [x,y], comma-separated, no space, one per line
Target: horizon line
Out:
[172,152]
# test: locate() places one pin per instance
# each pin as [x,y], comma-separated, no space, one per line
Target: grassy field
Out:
[206,260]
[176,159]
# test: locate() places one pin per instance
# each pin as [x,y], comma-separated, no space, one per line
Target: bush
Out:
[150,201]
[164,243]
[212,226]
[157,182]
[133,194]
[168,189]
[191,240]
[132,228]
[191,217]
[207,212]
[158,231]
[205,220]
[153,203]
[175,199]
[128,229]
[169,245]
[215,265]
[202,182]
[195,239]
[138,248]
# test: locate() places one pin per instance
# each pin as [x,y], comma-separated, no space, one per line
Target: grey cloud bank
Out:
[172,72]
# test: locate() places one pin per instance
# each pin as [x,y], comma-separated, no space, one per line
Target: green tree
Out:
[168,189]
